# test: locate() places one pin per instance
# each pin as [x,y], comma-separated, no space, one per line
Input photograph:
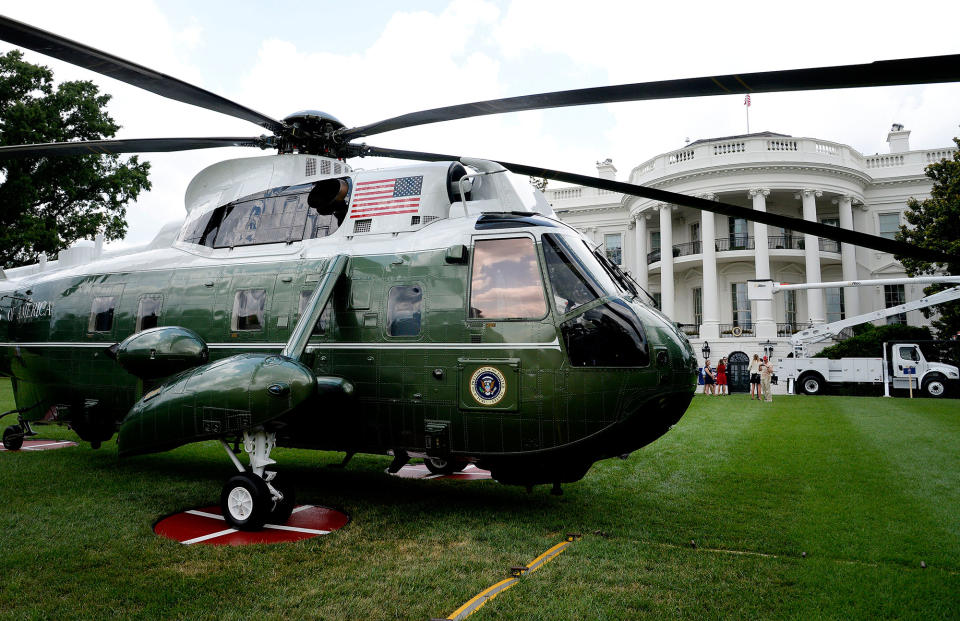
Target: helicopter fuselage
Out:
[470,339]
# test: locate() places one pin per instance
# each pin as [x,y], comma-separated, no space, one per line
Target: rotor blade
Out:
[133,145]
[32,38]
[799,225]
[926,70]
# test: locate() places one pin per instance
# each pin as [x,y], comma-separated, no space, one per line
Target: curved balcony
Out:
[746,242]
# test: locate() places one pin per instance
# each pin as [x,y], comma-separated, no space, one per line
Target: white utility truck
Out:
[907,367]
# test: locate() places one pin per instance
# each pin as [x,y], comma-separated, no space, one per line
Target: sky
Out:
[366,61]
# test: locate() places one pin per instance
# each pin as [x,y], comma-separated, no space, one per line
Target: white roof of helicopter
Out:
[389,230]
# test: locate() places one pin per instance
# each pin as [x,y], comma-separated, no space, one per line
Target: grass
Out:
[866,487]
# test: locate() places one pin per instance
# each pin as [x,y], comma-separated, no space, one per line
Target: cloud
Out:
[472,51]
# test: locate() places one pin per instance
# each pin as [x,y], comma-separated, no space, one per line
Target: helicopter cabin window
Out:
[248,306]
[506,280]
[101,314]
[404,307]
[325,322]
[281,215]
[148,312]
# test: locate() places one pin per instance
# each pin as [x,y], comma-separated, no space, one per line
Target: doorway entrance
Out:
[738,372]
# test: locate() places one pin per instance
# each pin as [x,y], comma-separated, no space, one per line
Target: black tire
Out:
[935,386]
[283,508]
[812,384]
[245,502]
[439,465]
[13,438]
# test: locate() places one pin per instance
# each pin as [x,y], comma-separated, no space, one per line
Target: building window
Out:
[148,312]
[695,238]
[404,305]
[248,306]
[657,299]
[506,280]
[697,306]
[612,248]
[654,240]
[741,305]
[835,310]
[893,295]
[739,234]
[790,309]
[101,314]
[888,225]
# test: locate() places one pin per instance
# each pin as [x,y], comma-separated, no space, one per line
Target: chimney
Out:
[899,139]
[606,170]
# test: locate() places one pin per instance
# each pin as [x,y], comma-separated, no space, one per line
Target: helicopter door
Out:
[507,305]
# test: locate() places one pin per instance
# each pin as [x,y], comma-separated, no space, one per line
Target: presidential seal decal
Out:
[487,385]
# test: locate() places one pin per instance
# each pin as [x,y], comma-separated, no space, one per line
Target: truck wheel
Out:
[439,465]
[935,386]
[811,384]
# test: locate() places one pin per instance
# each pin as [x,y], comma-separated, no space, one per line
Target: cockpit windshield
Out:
[575,273]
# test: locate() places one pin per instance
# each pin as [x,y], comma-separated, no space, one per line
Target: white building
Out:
[703,285]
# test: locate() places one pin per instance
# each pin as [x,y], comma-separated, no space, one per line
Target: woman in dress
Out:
[722,377]
[755,378]
[708,378]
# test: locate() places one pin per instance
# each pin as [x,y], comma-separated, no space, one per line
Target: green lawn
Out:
[866,487]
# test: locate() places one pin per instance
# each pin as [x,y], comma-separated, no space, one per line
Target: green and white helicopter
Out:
[420,311]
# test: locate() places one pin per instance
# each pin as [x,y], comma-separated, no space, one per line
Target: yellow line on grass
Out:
[477,602]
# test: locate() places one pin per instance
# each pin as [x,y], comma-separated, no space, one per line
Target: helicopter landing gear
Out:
[249,499]
[14,434]
[440,465]
[13,438]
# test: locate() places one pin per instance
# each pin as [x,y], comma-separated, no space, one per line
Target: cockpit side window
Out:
[506,281]
[585,262]
[570,286]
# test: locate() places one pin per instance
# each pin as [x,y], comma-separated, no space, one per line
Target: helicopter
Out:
[421,311]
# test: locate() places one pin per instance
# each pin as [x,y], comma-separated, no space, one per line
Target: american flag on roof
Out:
[385,197]
[746,101]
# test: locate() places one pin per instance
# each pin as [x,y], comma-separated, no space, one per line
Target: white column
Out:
[666,261]
[848,259]
[710,328]
[766,326]
[641,273]
[811,243]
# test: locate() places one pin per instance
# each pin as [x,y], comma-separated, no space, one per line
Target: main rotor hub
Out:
[311,131]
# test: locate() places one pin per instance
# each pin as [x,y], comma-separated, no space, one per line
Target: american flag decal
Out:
[385,197]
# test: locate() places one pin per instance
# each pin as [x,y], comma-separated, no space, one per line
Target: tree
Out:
[868,341]
[539,182]
[47,203]
[934,223]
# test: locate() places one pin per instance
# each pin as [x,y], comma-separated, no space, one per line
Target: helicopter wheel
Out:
[245,501]
[439,465]
[13,438]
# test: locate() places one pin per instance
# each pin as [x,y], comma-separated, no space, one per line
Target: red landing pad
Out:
[43,445]
[207,526]
[419,471]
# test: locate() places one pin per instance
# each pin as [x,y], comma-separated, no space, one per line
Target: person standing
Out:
[755,377]
[708,378]
[722,377]
[766,375]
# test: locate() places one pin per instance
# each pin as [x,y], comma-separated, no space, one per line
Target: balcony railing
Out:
[741,329]
[690,329]
[745,242]
[734,242]
[829,245]
[789,329]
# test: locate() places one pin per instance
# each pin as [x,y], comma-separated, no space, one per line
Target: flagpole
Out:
[746,103]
